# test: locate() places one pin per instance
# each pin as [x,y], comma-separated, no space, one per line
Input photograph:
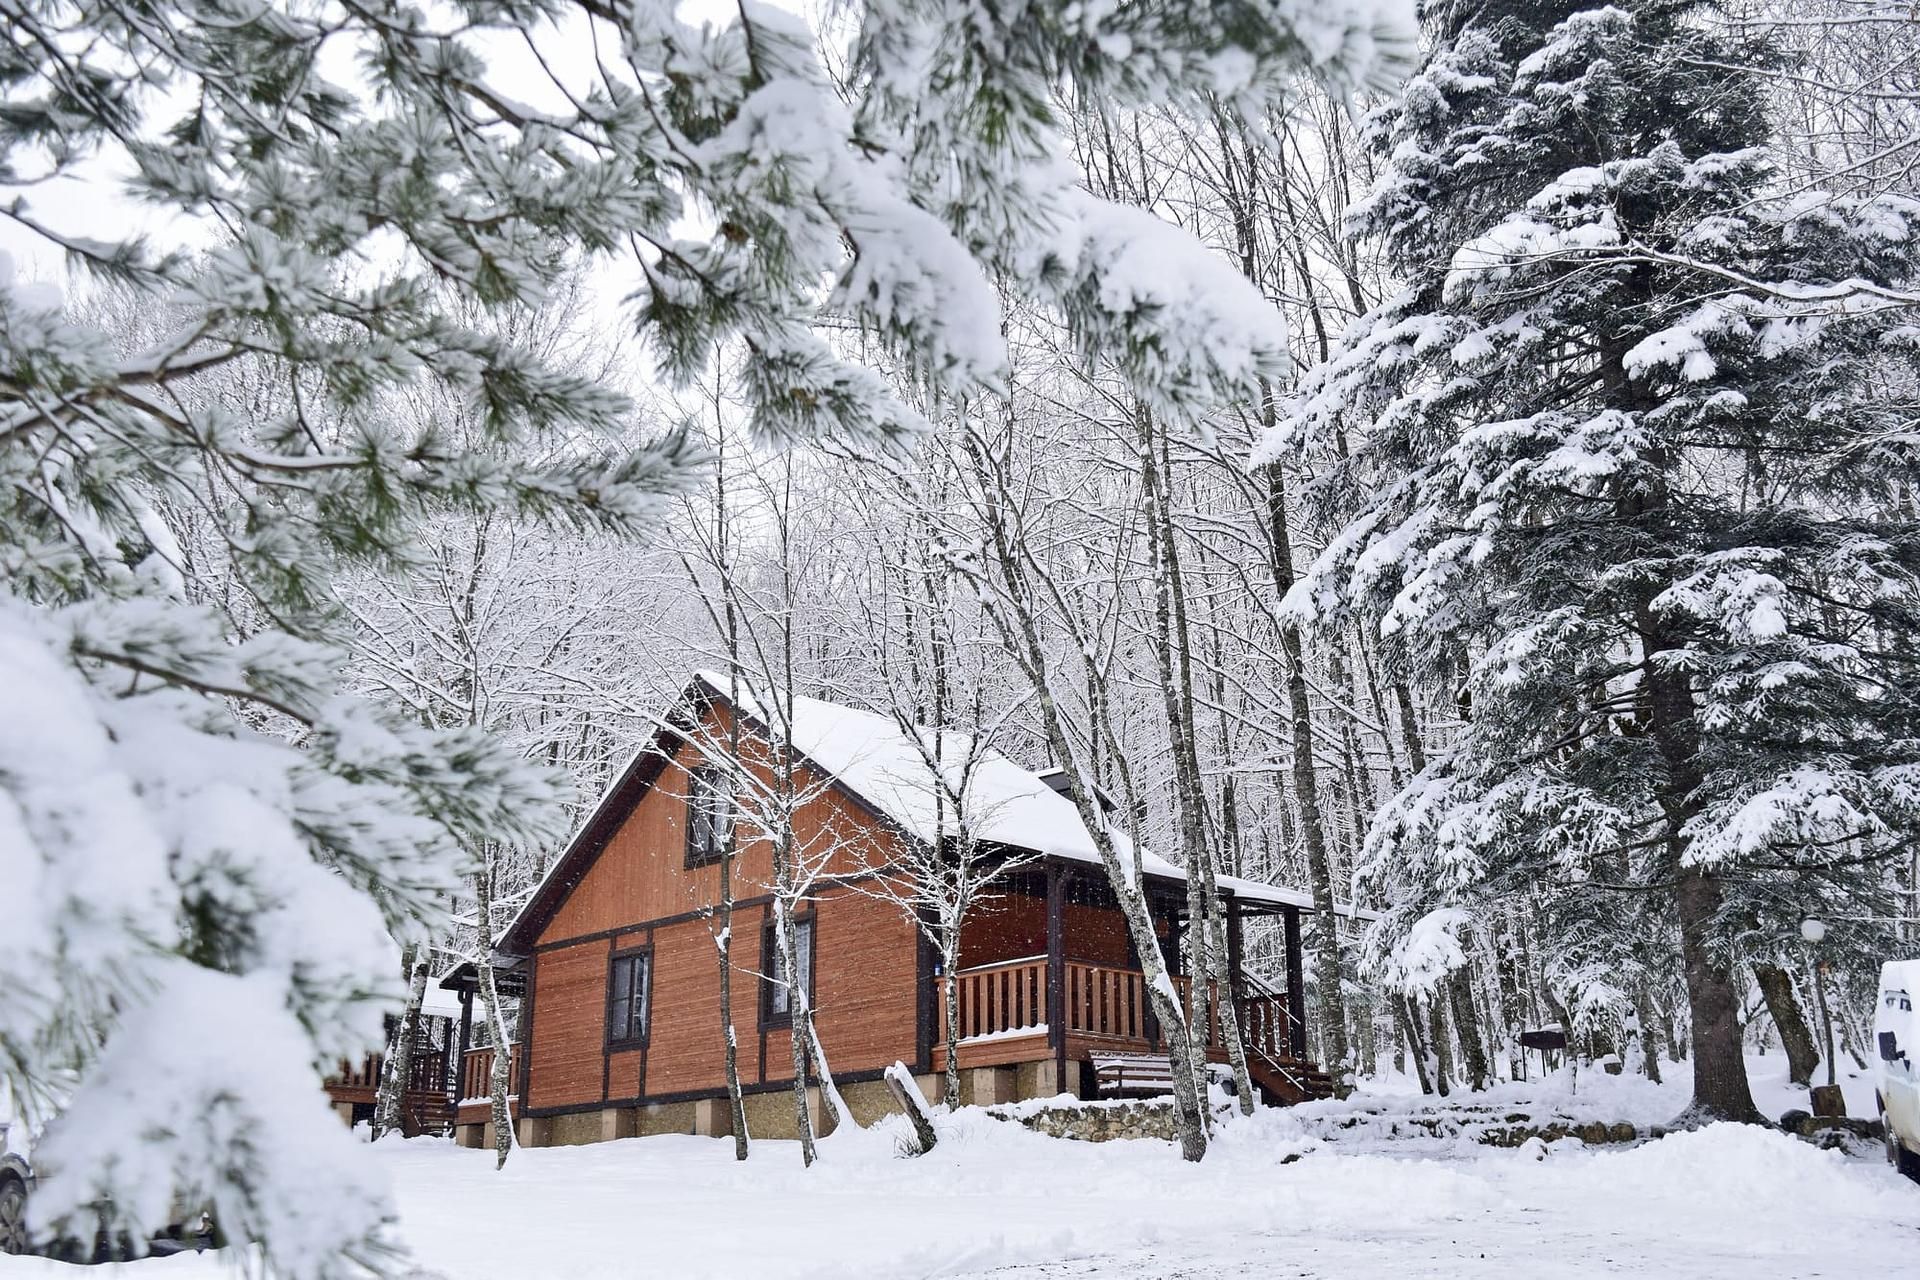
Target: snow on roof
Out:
[438,1002]
[872,756]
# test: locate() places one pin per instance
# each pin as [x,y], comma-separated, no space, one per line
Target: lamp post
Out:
[1815,932]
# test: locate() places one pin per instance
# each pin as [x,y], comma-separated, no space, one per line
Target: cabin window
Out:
[628,997]
[709,816]
[777,1005]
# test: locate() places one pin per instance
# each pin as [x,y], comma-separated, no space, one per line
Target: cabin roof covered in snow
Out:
[874,758]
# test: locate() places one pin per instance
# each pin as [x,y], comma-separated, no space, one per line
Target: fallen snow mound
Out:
[1753,1171]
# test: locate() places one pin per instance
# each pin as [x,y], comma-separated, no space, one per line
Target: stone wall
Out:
[1095,1122]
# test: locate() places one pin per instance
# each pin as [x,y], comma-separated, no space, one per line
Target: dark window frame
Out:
[706,845]
[627,955]
[769,1017]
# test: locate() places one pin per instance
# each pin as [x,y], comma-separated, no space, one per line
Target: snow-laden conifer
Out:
[1627,465]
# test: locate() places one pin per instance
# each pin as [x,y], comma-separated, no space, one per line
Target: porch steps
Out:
[1119,1075]
[1282,1082]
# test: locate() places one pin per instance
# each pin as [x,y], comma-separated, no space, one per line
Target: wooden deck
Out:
[1104,1011]
[430,1106]
[474,1104]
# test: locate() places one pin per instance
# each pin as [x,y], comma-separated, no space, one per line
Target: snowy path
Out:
[1551,1230]
[1288,1195]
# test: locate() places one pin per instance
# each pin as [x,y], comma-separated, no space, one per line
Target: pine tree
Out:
[209,849]
[1625,468]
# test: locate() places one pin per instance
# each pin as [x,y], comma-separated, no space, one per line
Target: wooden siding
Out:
[642,874]
[685,1050]
[865,991]
[567,1062]
[639,892]
[1013,926]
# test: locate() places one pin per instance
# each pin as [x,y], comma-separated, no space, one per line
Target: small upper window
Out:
[709,816]
[628,997]
[779,1003]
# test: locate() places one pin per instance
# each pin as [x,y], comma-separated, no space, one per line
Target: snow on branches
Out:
[195,455]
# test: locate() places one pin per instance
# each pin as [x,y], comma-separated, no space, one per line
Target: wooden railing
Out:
[1097,1001]
[997,998]
[476,1073]
[1111,1003]
[1263,1025]
[426,1072]
[1262,1017]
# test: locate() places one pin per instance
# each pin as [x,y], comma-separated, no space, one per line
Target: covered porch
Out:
[448,1076]
[1050,984]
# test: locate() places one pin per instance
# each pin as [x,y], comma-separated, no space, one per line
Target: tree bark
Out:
[1407,1012]
[952,1030]
[1652,1043]
[1512,1007]
[396,1069]
[1306,787]
[1466,1024]
[797,1026]
[1442,1051]
[1720,1088]
[1776,988]
[499,1074]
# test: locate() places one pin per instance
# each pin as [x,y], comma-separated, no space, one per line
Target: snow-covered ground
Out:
[1290,1193]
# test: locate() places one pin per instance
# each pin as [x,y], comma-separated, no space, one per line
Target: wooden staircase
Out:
[1282,1082]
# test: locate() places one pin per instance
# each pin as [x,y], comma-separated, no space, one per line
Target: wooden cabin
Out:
[617,947]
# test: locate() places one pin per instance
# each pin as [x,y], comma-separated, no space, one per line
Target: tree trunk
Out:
[1466,1024]
[1512,1007]
[797,1028]
[1652,1043]
[952,988]
[730,614]
[833,1107]
[499,1074]
[396,1069]
[1442,1051]
[1720,1089]
[1406,1009]
[1776,988]
[1306,787]
[1173,659]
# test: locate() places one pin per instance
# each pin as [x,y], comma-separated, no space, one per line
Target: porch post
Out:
[466,1039]
[1236,982]
[1296,987]
[1057,968]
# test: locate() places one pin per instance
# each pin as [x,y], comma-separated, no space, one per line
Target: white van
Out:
[1896,1034]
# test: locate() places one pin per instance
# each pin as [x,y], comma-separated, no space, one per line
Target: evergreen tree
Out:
[208,848]
[1626,467]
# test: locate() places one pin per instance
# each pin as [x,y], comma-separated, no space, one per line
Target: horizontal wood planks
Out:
[1010,926]
[642,874]
[865,956]
[685,1050]
[568,1044]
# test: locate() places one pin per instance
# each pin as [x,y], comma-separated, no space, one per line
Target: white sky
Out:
[94,203]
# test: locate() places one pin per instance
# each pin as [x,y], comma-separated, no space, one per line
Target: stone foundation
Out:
[770,1112]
